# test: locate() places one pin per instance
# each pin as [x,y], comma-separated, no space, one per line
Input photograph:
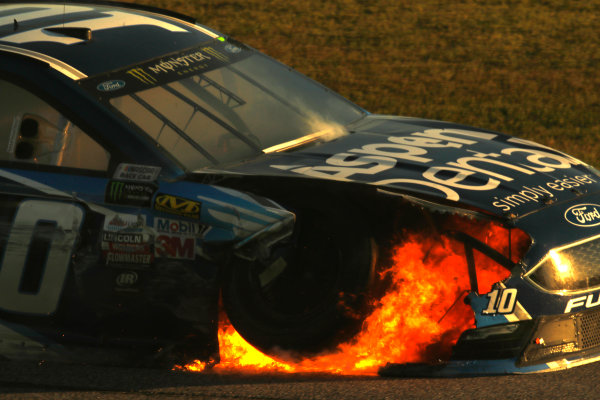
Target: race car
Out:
[152,166]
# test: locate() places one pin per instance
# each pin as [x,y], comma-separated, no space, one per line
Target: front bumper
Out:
[542,344]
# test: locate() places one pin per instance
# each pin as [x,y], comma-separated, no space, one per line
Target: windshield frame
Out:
[195,62]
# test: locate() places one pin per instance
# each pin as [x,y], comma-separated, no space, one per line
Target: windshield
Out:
[228,104]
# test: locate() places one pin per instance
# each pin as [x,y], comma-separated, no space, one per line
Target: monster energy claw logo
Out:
[127,193]
[116,191]
[142,76]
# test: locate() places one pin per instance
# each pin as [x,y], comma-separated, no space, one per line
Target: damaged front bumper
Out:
[542,344]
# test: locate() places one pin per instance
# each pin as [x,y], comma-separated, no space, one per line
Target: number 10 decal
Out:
[501,301]
[37,256]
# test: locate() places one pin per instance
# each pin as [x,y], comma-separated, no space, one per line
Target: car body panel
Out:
[114,270]
[487,170]
[125,264]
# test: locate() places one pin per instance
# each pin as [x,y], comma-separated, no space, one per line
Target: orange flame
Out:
[419,318]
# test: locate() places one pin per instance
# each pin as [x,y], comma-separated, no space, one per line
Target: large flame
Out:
[419,318]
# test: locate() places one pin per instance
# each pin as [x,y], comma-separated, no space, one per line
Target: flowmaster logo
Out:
[585,215]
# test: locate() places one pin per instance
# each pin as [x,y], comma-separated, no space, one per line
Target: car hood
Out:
[442,161]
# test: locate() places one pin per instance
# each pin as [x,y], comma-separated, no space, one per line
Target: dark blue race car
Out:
[149,164]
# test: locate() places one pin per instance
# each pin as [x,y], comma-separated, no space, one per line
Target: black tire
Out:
[313,294]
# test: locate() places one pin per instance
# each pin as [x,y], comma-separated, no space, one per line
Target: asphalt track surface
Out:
[48,381]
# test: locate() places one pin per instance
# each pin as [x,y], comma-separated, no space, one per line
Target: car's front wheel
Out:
[312,293]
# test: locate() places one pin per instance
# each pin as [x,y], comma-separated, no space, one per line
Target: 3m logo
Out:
[142,76]
[175,247]
[177,205]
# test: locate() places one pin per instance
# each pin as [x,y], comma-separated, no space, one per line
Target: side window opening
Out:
[32,131]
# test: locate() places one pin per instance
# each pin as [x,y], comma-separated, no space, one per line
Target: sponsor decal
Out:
[501,301]
[110,86]
[181,64]
[129,193]
[178,227]
[128,258]
[126,248]
[142,76]
[134,172]
[117,222]
[478,171]
[584,215]
[177,205]
[165,69]
[130,238]
[589,301]
[179,247]
[232,48]
[126,279]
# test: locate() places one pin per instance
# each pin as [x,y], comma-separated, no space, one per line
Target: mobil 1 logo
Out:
[176,238]
[137,194]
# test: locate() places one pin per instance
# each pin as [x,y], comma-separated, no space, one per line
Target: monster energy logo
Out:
[142,76]
[116,191]
[216,54]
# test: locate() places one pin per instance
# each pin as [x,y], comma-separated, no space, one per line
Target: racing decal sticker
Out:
[119,222]
[178,227]
[110,86]
[232,48]
[589,301]
[127,281]
[583,215]
[176,238]
[53,228]
[126,247]
[124,237]
[211,55]
[130,193]
[175,246]
[501,301]
[177,205]
[134,172]
[128,258]
[130,248]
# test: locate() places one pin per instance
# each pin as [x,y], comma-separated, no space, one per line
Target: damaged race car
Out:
[153,166]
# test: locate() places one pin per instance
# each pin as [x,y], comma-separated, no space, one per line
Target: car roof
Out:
[88,38]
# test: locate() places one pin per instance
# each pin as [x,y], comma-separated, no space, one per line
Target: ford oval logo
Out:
[585,215]
[231,48]
[110,86]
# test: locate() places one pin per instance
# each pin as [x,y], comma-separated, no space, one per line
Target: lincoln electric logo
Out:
[585,215]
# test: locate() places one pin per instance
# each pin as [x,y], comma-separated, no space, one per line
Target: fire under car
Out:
[158,176]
